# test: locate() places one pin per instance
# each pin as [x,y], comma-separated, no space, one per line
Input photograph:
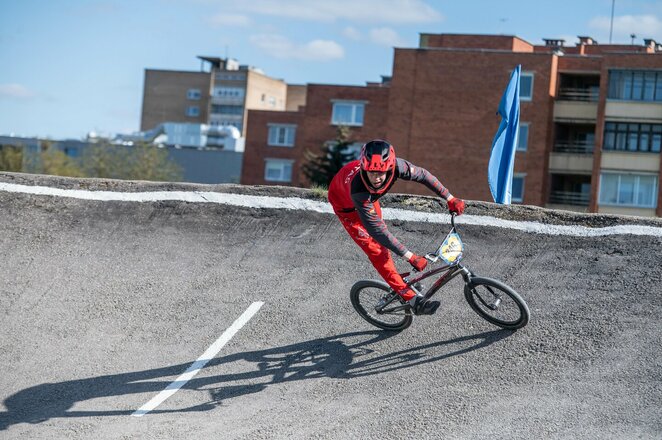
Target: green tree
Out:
[321,167]
[11,158]
[148,162]
[138,162]
[56,163]
[50,160]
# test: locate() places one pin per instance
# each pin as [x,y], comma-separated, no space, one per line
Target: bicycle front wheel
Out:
[367,294]
[497,303]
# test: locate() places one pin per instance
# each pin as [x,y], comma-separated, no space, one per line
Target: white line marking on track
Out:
[201,362]
[324,207]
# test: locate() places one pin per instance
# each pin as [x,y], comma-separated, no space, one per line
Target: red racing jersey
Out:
[348,194]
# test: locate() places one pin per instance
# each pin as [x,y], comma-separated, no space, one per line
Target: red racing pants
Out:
[379,256]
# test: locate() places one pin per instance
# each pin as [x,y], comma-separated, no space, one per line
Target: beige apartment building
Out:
[219,95]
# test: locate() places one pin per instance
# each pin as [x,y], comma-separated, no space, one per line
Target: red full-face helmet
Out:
[378,156]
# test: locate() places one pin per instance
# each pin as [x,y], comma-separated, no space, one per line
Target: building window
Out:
[517,191]
[231,77]
[227,109]
[623,136]
[526,86]
[523,141]
[635,85]
[348,113]
[224,123]
[193,94]
[193,111]
[229,92]
[638,190]
[278,170]
[282,135]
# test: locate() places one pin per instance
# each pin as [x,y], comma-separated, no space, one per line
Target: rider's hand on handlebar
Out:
[419,263]
[455,205]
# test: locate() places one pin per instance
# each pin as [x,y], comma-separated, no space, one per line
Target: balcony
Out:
[575,111]
[227,100]
[577,97]
[630,161]
[569,198]
[586,94]
[570,191]
[573,147]
[635,111]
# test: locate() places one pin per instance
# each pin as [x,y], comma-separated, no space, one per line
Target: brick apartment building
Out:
[220,95]
[590,123]
[280,139]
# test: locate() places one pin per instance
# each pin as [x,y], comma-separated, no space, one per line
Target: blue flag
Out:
[502,158]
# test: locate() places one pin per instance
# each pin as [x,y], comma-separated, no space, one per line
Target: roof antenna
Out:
[611,24]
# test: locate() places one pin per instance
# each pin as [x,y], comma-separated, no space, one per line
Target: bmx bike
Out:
[493,300]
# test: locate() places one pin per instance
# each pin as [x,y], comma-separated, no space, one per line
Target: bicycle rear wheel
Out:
[497,303]
[366,294]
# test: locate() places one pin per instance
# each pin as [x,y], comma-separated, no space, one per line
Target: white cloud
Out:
[643,26]
[281,47]
[364,11]
[223,19]
[352,33]
[386,37]
[14,90]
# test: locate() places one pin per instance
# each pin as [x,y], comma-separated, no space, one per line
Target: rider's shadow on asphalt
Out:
[346,356]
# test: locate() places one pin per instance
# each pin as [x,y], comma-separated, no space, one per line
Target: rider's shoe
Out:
[420,306]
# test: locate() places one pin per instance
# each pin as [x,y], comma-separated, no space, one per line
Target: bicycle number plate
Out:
[451,249]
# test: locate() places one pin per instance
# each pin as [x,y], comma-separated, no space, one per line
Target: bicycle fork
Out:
[494,305]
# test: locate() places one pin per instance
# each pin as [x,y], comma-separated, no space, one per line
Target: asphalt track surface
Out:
[105,303]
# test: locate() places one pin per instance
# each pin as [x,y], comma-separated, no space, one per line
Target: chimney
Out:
[586,40]
[549,42]
[649,42]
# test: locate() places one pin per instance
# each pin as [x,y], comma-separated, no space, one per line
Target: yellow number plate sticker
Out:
[451,249]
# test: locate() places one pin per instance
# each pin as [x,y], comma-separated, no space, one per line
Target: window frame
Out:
[530,96]
[512,196]
[355,104]
[283,164]
[228,109]
[634,84]
[617,136]
[194,94]
[278,127]
[635,203]
[229,92]
[519,139]
[193,114]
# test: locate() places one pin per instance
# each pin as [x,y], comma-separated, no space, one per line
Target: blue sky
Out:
[69,67]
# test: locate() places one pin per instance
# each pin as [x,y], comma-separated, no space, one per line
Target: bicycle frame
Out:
[447,271]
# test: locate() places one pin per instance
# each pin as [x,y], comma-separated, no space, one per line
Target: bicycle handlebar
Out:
[432,257]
